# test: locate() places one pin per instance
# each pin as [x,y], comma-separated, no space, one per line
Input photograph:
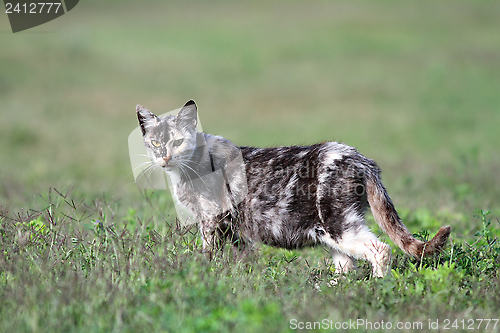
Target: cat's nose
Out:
[167,158]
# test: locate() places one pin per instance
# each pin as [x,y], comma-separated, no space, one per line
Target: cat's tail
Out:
[388,219]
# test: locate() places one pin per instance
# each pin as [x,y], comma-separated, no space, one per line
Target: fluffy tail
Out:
[387,218]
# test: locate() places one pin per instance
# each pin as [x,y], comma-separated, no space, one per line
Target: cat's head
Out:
[170,141]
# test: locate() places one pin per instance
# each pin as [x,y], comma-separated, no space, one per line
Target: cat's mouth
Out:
[168,167]
[165,166]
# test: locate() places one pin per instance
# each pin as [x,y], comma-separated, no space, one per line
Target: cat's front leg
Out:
[209,237]
[215,233]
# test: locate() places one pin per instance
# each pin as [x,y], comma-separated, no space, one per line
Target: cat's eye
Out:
[155,143]
[177,143]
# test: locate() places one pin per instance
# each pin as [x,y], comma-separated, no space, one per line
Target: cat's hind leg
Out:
[343,262]
[359,242]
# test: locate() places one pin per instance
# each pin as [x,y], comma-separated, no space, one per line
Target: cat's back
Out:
[300,159]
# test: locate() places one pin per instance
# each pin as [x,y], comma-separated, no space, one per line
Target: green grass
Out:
[414,85]
[91,268]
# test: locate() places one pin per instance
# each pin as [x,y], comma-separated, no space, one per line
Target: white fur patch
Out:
[312,234]
[361,243]
[291,183]
[355,241]
[335,151]
[331,157]
[352,217]
[276,228]
[175,176]
[302,154]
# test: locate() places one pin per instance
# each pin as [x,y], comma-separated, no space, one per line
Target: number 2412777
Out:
[32,8]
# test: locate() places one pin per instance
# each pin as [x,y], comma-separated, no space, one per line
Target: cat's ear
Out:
[188,116]
[146,118]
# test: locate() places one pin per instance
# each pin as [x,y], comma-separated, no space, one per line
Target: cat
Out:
[288,197]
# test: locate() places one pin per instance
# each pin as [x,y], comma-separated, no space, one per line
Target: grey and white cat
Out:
[288,197]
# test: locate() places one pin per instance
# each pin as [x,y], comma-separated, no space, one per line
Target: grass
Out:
[414,85]
[76,267]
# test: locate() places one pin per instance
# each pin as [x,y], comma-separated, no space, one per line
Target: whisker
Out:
[138,166]
[184,172]
[145,171]
[142,164]
[199,176]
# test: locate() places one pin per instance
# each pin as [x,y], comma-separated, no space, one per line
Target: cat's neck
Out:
[199,165]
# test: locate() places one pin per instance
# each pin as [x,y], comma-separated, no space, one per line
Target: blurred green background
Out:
[414,85]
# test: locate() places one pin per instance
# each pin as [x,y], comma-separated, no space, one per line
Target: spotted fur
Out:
[295,196]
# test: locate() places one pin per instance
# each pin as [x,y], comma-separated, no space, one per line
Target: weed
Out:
[89,267]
